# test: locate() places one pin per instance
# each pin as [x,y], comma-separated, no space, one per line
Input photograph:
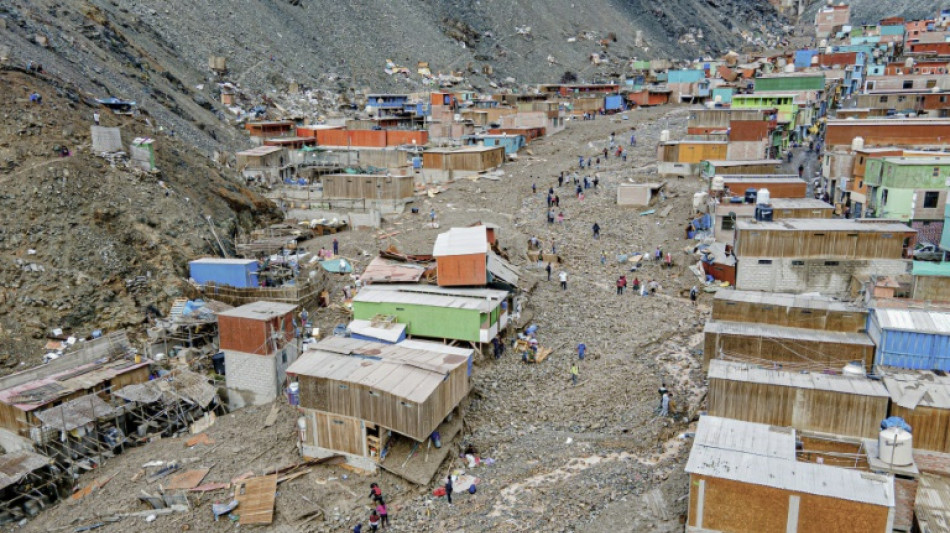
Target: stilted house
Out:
[375,403]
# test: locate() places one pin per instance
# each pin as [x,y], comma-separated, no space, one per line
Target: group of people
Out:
[379,516]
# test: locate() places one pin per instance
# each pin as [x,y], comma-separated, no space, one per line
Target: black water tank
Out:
[763,213]
[217,360]
[750,195]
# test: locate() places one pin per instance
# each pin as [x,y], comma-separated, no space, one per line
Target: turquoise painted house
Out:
[911,189]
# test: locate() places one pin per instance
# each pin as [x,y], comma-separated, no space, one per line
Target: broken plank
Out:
[272,415]
[256,500]
[187,480]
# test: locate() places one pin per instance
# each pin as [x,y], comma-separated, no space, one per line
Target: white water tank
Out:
[789,67]
[664,136]
[853,370]
[857,143]
[763,197]
[823,43]
[699,201]
[895,447]
[302,428]
[718,183]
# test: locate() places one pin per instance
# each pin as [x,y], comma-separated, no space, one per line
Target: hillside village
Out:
[702,296]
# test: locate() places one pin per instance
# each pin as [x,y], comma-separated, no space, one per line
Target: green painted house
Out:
[784,83]
[783,102]
[912,189]
[473,315]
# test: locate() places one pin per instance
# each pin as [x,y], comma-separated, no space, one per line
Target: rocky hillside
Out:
[83,244]
[871,11]
[157,52]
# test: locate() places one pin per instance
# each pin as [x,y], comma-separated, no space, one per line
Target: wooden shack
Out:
[461,256]
[724,167]
[779,186]
[684,158]
[468,158]
[747,477]
[728,213]
[367,187]
[271,128]
[835,238]
[96,366]
[791,348]
[791,310]
[812,401]
[922,399]
[353,392]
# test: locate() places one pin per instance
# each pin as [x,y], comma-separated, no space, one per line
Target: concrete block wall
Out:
[255,374]
[827,276]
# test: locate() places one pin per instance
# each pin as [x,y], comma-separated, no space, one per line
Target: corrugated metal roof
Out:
[731,456]
[482,300]
[782,332]
[461,241]
[75,413]
[736,435]
[381,270]
[503,270]
[15,466]
[752,162]
[917,320]
[39,392]
[805,301]
[366,329]
[407,373]
[910,388]
[260,310]
[932,506]
[745,372]
[259,151]
[826,224]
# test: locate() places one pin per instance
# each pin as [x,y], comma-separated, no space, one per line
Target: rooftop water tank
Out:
[664,136]
[763,197]
[853,370]
[895,447]
[750,195]
[718,183]
[857,143]
[789,67]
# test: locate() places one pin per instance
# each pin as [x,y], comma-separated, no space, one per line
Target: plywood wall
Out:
[853,321]
[764,242]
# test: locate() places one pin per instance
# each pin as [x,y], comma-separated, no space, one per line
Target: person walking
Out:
[432,215]
[563,278]
[596,228]
[373,521]
[560,180]
[801,170]
[579,190]
[448,489]
[621,284]
[550,216]
[383,513]
[665,405]
[694,293]
[336,247]
[658,254]
[574,373]
[560,218]
[375,492]
[633,139]
[603,258]
[358,528]
[557,201]
[534,188]
[95,118]
[596,181]
[581,351]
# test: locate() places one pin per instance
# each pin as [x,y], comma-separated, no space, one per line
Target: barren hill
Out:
[83,244]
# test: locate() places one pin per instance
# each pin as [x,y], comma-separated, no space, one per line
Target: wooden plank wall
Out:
[462,270]
[410,419]
[762,242]
[356,186]
[797,354]
[794,317]
[931,426]
[340,433]
[804,409]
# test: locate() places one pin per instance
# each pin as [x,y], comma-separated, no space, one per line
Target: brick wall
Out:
[256,374]
[811,275]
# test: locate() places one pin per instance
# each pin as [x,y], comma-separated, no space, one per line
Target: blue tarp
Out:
[895,422]
[340,265]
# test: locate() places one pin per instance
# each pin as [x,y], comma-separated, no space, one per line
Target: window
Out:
[798,263]
[860,183]
[930,199]
[831,263]
[900,98]
[765,261]
[931,84]
[883,197]
[936,172]
[344,387]
[908,84]
[870,85]
[882,100]
[943,99]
